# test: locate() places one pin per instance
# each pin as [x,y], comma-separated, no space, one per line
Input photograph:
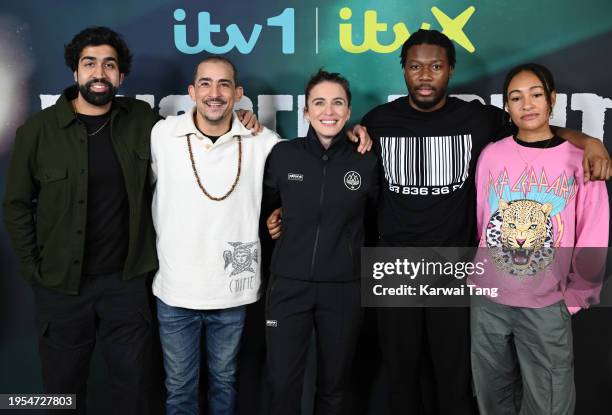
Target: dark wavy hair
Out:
[324,76]
[429,37]
[96,36]
[543,74]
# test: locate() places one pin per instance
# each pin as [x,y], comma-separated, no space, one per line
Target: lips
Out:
[329,122]
[99,86]
[529,117]
[215,104]
[425,90]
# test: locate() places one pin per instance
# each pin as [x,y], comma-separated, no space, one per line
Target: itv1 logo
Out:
[235,38]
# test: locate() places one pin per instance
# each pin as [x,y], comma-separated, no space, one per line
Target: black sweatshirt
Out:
[428,196]
[323,194]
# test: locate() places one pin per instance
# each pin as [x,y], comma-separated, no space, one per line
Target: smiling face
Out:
[327,110]
[427,73]
[98,77]
[528,106]
[214,92]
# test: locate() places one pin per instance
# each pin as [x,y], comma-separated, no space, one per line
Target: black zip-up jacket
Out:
[324,195]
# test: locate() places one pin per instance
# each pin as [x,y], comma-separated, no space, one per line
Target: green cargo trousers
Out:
[522,359]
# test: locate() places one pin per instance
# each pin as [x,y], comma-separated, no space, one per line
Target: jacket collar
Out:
[339,142]
[65,112]
[186,126]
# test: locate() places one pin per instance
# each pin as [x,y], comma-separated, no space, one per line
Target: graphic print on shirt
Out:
[426,165]
[242,258]
[525,217]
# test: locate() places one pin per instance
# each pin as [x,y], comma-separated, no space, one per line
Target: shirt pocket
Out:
[52,196]
[51,174]
[143,162]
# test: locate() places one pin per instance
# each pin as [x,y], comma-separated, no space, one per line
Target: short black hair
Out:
[543,74]
[97,36]
[217,59]
[429,37]
[324,76]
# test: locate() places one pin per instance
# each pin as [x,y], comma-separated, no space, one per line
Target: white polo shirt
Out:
[209,251]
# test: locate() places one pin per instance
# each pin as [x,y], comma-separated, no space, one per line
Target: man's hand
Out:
[274,223]
[249,120]
[596,161]
[360,134]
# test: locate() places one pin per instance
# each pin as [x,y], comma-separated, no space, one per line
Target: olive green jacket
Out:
[45,205]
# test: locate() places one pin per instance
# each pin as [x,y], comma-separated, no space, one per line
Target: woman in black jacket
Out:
[324,187]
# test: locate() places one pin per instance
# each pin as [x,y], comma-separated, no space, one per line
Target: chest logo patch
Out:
[352,180]
[295,177]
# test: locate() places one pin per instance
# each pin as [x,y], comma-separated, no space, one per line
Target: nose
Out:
[214,90]
[527,103]
[425,74]
[99,71]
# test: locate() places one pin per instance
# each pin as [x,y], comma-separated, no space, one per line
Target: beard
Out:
[98,98]
[425,105]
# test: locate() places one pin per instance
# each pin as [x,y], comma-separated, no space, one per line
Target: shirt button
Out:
[207,146]
[325,157]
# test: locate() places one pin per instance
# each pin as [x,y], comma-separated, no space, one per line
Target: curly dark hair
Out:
[429,37]
[324,76]
[96,36]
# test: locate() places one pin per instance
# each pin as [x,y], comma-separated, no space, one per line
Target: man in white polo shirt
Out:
[208,169]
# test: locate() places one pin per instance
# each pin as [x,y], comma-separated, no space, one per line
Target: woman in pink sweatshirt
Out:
[538,223]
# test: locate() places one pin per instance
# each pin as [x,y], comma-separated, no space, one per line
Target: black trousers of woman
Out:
[294,309]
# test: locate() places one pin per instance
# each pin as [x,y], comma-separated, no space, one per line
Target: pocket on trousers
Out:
[563,393]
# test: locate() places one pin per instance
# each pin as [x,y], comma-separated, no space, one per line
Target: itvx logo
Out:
[235,38]
[453,28]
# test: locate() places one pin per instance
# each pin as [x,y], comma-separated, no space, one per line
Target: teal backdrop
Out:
[276,45]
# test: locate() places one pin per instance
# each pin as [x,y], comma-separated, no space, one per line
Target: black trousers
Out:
[294,309]
[408,338]
[108,311]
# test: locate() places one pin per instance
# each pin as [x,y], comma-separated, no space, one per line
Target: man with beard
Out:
[209,171]
[77,209]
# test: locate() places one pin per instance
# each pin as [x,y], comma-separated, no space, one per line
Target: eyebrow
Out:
[210,79]
[323,99]
[530,88]
[93,58]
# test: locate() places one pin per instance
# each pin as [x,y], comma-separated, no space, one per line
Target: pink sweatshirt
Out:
[534,203]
